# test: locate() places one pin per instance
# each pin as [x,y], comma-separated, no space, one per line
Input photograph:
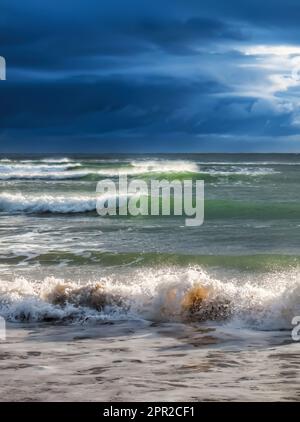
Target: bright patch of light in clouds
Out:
[279,66]
[275,50]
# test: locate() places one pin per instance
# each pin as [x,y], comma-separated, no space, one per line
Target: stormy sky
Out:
[150,76]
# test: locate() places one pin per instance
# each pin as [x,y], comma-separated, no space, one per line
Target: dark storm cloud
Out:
[99,103]
[186,36]
[269,12]
[53,42]
[142,73]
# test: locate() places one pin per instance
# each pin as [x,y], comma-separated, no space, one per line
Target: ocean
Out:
[146,308]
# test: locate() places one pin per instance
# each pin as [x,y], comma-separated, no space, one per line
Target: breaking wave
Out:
[64,169]
[56,160]
[167,294]
[214,208]
[16,203]
[44,169]
[43,175]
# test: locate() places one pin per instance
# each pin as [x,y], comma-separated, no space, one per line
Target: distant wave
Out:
[69,170]
[56,160]
[43,175]
[237,171]
[249,163]
[167,166]
[30,170]
[147,167]
[14,168]
[166,294]
[37,161]
[214,208]
[53,170]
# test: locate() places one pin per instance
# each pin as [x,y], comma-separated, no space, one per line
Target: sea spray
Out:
[167,294]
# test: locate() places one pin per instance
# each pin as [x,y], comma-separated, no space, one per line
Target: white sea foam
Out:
[59,204]
[242,171]
[17,202]
[64,170]
[42,174]
[146,167]
[56,160]
[31,170]
[37,161]
[60,171]
[166,294]
[249,163]
[166,166]
[15,168]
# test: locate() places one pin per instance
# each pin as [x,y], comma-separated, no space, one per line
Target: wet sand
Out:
[135,361]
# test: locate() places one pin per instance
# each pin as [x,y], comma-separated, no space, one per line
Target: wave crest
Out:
[16,203]
[166,294]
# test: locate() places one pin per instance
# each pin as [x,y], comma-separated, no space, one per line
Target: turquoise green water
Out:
[252,206]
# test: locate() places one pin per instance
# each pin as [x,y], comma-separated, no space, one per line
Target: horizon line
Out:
[145,152]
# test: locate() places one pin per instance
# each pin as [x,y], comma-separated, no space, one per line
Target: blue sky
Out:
[150,76]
